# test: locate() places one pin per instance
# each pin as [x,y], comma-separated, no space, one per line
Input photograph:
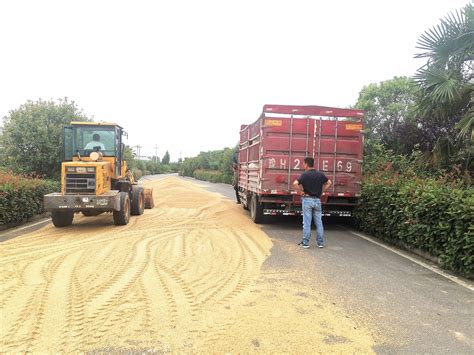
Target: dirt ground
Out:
[183,277]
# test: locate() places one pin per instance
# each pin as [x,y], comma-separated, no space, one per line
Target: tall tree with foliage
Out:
[390,113]
[129,156]
[166,158]
[447,83]
[33,136]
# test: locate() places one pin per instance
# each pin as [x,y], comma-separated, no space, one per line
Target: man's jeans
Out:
[312,211]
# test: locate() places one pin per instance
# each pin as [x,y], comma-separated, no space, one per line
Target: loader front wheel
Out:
[138,201]
[62,218]
[122,217]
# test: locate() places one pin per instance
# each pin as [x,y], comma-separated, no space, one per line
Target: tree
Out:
[2,153]
[225,166]
[390,113]
[447,83]
[129,157]
[188,166]
[32,136]
[166,158]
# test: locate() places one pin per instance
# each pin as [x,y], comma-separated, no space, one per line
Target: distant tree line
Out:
[155,165]
[215,166]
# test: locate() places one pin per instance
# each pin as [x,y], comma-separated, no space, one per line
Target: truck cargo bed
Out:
[273,148]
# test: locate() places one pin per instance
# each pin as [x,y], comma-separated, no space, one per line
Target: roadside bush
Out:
[212,176]
[218,161]
[433,215]
[22,197]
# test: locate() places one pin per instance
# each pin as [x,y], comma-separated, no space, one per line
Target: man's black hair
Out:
[309,161]
[96,137]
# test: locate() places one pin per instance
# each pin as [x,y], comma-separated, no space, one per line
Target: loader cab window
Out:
[93,138]
[68,143]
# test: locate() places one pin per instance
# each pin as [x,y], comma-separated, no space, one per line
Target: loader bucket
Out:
[149,203]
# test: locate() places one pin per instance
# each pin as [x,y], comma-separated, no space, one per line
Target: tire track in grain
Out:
[163,278]
[226,280]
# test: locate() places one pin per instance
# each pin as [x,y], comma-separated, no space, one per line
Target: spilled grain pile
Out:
[177,278]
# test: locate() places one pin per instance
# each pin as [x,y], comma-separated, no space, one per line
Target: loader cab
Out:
[83,138]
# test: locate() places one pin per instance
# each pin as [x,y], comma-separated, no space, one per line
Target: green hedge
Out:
[21,197]
[212,176]
[431,215]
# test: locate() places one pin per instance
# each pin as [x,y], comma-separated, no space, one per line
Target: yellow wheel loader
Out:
[95,178]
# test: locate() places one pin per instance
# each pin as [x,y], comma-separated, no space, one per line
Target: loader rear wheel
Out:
[256,210]
[122,217]
[138,201]
[62,218]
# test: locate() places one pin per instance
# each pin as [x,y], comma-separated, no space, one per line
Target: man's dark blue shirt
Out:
[312,181]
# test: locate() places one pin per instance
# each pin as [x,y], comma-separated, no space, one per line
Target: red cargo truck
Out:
[272,152]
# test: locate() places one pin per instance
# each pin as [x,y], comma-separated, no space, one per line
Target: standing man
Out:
[312,184]
[235,180]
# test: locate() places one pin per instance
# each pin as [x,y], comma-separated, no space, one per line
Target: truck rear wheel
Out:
[62,218]
[138,201]
[122,217]
[256,210]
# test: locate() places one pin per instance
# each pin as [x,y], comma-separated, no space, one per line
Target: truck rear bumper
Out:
[110,201]
[299,212]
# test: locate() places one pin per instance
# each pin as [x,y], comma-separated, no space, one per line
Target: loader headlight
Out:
[90,170]
[70,169]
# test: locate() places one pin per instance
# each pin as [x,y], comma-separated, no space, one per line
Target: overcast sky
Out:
[184,75]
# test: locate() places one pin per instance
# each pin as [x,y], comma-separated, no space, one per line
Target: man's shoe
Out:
[320,246]
[301,244]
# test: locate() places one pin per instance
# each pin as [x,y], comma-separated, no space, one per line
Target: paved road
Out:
[408,307]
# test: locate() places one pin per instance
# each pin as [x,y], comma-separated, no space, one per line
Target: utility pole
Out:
[156,153]
[138,147]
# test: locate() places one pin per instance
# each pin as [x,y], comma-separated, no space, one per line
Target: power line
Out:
[138,147]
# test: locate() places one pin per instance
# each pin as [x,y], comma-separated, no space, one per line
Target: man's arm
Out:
[298,187]
[327,185]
